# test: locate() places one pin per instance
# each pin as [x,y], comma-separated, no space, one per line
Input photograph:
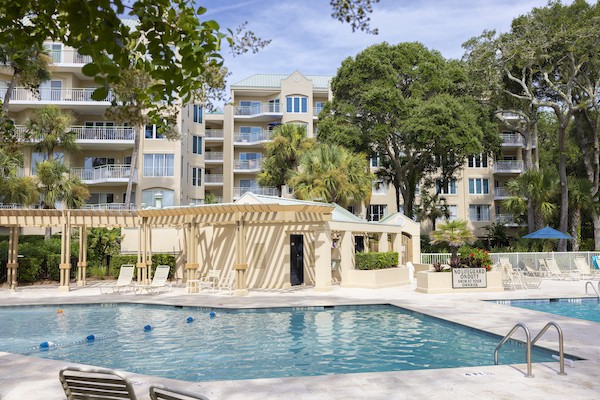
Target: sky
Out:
[306,38]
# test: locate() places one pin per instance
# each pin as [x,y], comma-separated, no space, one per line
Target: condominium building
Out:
[219,155]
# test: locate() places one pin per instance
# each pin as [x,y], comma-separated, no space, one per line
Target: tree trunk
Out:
[8,94]
[564,187]
[531,224]
[596,222]
[132,168]
[47,233]
[576,228]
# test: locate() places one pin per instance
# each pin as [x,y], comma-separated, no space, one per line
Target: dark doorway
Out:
[296,259]
[359,244]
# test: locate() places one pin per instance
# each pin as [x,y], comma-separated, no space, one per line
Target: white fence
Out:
[565,260]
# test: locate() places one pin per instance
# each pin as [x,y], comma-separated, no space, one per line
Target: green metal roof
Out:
[274,81]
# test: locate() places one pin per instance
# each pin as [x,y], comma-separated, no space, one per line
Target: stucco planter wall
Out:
[377,278]
[441,282]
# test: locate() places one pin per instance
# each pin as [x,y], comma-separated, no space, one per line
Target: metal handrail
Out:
[590,283]
[561,352]
[505,339]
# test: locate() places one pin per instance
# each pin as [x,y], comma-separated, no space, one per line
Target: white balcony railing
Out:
[508,166]
[253,137]
[69,57]
[214,133]
[104,173]
[54,95]
[512,139]
[501,192]
[213,178]
[506,219]
[120,133]
[256,109]
[108,206]
[248,165]
[266,191]
[213,156]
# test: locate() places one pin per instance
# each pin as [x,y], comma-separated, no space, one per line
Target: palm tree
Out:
[455,234]
[55,186]
[332,174]
[432,207]
[580,199]
[537,187]
[50,125]
[13,187]
[288,143]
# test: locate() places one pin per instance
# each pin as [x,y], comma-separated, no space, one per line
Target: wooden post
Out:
[13,254]
[241,265]
[65,265]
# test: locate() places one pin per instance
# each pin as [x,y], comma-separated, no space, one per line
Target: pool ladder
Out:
[532,342]
[590,283]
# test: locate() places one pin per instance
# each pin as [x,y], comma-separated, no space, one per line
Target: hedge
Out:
[53,264]
[29,269]
[369,261]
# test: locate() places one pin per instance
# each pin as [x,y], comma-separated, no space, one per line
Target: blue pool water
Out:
[248,344]
[582,308]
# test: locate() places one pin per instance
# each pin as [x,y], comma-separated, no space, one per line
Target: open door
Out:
[296,260]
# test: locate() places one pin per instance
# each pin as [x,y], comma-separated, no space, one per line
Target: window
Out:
[149,197]
[250,156]
[55,50]
[196,176]
[249,107]
[448,188]
[379,188]
[93,162]
[101,198]
[319,106]
[196,144]
[132,197]
[453,214]
[479,186]
[127,160]
[248,183]
[296,104]
[479,161]
[479,213]
[51,90]
[351,209]
[39,157]
[375,161]
[376,212]
[197,114]
[152,133]
[159,165]
[250,133]
[274,106]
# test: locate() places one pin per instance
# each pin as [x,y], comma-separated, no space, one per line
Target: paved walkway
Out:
[27,378]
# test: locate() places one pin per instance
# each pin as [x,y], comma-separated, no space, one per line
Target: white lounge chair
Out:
[159,282]
[530,269]
[584,269]
[160,392]
[95,383]
[211,281]
[124,282]
[227,283]
[555,271]
[515,279]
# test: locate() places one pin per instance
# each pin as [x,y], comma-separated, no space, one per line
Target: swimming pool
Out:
[249,344]
[582,308]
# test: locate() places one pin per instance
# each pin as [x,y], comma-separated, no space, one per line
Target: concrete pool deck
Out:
[28,378]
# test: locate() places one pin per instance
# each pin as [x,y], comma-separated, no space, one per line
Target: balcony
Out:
[512,140]
[259,112]
[48,95]
[248,165]
[69,57]
[213,156]
[90,134]
[108,206]
[213,134]
[105,174]
[266,191]
[500,193]
[507,219]
[213,179]
[508,167]
[252,138]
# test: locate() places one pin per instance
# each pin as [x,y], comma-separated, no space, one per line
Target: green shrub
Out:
[29,269]
[369,261]
[97,272]
[52,266]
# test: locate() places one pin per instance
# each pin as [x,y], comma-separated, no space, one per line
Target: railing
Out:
[253,137]
[501,192]
[267,191]
[10,206]
[213,178]
[88,133]
[213,156]
[257,109]
[591,284]
[512,139]
[248,165]
[528,346]
[54,95]
[108,206]
[69,57]
[522,260]
[104,173]
[214,133]
[508,166]
[506,219]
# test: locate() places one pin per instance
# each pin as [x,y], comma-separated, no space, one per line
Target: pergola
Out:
[189,219]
